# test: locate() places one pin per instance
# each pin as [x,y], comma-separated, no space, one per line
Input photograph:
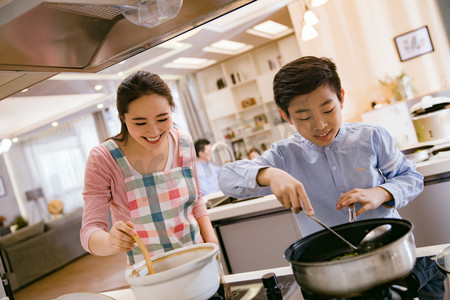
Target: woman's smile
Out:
[154,140]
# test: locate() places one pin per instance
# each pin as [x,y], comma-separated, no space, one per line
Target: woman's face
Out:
[149,119]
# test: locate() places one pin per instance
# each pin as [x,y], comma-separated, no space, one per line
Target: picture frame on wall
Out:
[414,43]
[2,187]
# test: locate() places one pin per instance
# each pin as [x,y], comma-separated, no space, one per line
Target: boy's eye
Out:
[327,112]
[163,120]
[304,119]
[140,124]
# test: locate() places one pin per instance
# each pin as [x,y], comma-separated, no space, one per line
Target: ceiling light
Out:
[308,32]
[98,87]
[310,18]
[228,47]
[270,29]
[15,140]
[5,145]
[189,63]
[100,106]
[54,124]
[316,3]
[24,90]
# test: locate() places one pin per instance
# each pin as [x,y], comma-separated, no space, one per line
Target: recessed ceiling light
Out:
[270,29]
[100,106]
[228,47]
[189,63]
[24,90]
[54,124]
[15,140]
[98,87]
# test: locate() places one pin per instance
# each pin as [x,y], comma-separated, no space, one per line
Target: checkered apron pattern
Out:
[161,203]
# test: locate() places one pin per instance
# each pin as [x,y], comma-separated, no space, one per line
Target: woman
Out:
[146,175]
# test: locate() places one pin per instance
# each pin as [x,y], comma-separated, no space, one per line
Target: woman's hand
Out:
[120,236]
[369,198]
[288,190]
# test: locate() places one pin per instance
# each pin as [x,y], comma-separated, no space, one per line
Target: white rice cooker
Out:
[431,118]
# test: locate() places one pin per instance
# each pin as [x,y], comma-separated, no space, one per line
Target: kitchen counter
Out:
[258,205]
[127,293]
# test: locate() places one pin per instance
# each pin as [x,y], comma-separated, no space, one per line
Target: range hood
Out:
[40,39]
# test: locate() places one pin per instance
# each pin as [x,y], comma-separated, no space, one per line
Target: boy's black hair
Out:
[302,76]
[200,145]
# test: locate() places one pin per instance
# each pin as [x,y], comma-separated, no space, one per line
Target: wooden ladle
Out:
[144,250]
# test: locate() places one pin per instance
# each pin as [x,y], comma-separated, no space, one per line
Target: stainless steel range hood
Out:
[39,39]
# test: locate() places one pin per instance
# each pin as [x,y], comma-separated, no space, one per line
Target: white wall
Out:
[359,37]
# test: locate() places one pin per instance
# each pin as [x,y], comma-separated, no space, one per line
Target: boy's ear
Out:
[342,98]
[284,116]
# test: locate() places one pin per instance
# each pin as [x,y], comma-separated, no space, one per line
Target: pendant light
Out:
[310,18]
[308,32]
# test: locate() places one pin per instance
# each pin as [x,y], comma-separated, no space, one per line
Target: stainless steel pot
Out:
[351,277]
[418,154]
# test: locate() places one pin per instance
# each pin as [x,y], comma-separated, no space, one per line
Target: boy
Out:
[329,168]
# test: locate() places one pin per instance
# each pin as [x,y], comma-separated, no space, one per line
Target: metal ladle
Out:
[369,241]
[329,229]
[443,259]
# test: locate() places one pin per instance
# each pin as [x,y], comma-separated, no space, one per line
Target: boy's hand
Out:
[120,236]
[288,190]
[369,198]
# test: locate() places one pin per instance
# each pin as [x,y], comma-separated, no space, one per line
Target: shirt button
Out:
[334,168]
[327,148]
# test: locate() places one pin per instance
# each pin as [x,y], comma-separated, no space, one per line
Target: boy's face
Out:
[317,116]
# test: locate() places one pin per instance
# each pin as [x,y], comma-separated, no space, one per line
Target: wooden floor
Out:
[86,274]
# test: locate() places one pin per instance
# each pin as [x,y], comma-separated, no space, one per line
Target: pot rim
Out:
[175,272]
[352,259]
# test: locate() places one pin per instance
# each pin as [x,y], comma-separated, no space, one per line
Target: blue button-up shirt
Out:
[361,156]
[207,177]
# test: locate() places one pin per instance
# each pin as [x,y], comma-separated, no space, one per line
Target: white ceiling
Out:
[72,93]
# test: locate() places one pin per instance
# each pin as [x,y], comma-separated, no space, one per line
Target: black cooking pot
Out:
[391,261]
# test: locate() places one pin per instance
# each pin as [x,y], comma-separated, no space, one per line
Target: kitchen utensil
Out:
[317,274]
[374,238]
[190,272]
[443,259]
[144,250]
[418,154]
[351,213]
[84,296]
[431,118]
[330,230]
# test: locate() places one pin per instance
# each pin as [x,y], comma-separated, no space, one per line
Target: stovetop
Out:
[254,290]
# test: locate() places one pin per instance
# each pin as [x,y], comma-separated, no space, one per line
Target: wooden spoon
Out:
[144,250]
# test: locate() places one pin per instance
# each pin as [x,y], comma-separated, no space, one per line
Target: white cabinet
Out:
[238,98]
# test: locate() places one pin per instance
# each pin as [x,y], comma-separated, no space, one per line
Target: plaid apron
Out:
[161,203]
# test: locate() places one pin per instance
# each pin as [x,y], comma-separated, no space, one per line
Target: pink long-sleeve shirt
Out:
[104,190]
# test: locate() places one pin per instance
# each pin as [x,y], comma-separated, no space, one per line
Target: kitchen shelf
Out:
[253,73]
